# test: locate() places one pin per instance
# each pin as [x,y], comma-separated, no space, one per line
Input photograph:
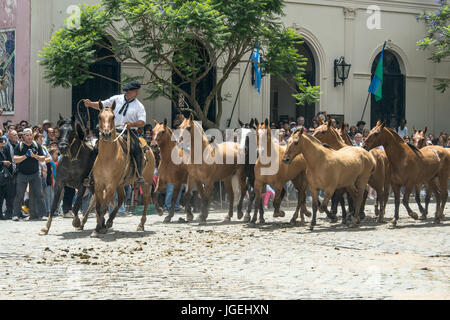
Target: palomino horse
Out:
[218,162]
[329,170]
[169,172]
[75,165]
[420,141]
[295,173]
[409,166]
[379,180]
[113,171]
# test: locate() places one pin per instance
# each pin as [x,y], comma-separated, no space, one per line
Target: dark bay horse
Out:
[410,167]
[75,165]
[113,170]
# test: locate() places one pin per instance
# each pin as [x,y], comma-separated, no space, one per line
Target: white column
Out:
[349,48]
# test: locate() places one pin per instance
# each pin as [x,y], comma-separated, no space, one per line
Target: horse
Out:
[294,173]
[77,160]
[168,171]
[409,166]
[207,171]
[420,141]
[329,170]
[379,180]
[112,170]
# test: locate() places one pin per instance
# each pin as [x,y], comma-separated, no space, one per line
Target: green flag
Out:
[377,82]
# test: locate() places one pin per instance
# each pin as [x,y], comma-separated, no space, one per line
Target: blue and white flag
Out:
[256,60]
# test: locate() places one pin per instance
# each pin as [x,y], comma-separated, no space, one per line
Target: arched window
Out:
[391,107]
[97,88]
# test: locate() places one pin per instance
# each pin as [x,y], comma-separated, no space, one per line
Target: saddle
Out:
[145,148]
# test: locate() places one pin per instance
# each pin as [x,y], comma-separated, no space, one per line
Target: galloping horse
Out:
[409,166]
[379,180]
[169,172]
[75,165]
[329,170]
[113,171]
[420,141]
[208,171]
[295,173]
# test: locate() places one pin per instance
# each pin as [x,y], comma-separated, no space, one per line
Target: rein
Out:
[70,152]
[81,119]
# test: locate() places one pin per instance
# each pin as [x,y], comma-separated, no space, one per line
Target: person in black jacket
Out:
[5,161]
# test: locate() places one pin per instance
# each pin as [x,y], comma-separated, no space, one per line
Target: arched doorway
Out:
[282,104]
[97,88]
[391,107]
[203,89]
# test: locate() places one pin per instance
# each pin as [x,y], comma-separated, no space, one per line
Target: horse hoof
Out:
[94,234]
[414,215]
[227,219]
[437,221]
[109,224]
[394,224]
[240,214]
[308,214]
[159,211]
[321,210]
[189,217]
[334,219]
[423,217]
[167,219]
[76,222]
[311,228]
[281,214]
[80,228]
[202,223]
[252,225]
[293,222]
[43,232]
[140,228]
[246,219]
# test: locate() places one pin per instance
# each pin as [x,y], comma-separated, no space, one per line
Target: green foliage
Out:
[181,37]
[438,36]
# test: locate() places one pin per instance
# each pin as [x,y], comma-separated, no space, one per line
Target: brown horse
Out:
[113,170]
[329,170]
[210,162]
[379,180]
[409,166]
[420,141]
[168,171]
[294,173]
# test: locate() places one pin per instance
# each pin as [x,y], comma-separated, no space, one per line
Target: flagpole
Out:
[364,111]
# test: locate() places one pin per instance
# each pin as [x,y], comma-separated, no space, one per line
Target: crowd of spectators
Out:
[30,154]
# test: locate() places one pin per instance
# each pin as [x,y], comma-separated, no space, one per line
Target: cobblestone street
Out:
[227,260]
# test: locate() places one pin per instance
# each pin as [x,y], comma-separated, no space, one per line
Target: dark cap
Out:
[133,85]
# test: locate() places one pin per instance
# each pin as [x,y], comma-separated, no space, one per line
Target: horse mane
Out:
[327,146]
[314,139]
[199,127]
[399,139]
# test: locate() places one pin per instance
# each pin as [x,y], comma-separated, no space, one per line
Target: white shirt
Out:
[402,133]
[135,113]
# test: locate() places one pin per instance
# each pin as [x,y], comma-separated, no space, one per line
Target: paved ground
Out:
[229,261]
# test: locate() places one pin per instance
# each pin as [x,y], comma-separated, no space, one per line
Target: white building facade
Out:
[330,29]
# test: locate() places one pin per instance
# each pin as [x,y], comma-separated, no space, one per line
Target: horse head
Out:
[161,133]
[376,136]
[419,139]
[70,130]
[293,146]
[107,128]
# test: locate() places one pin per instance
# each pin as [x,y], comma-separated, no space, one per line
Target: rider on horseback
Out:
[131,112]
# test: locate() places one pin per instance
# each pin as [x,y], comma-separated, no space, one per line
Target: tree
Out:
[438,36]
[183,38]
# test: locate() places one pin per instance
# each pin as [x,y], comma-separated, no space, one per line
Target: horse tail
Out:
[235,184]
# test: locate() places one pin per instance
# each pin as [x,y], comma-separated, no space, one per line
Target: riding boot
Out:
[89,181]
[139,160]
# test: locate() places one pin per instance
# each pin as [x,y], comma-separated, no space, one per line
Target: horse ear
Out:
[329,123]
[256,122]
[165,122]
[252,122]
[61,117]
[266,122]
[240,123]
[383,124]
[425,130]
[191,117]
[100,105]
[113,106]
[156,122]
[415,130]
[79,131]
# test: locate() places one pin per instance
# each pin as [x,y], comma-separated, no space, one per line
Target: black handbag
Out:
[5,176]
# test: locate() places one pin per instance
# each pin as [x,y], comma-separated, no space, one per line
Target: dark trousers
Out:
[7,193]
[136,150]
[35,191]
